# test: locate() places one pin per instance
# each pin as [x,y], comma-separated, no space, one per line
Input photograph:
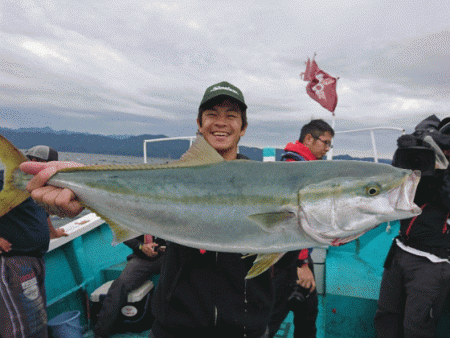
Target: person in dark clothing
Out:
[203,294]
[416,277]
[22,271]
[142,264]
[295,287]
[25,233]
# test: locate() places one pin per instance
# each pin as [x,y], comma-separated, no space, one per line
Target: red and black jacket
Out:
[429,231]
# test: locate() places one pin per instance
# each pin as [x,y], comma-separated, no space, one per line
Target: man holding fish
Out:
[212,207]
[200,293]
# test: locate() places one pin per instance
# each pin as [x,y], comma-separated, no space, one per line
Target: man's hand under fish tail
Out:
[56,201]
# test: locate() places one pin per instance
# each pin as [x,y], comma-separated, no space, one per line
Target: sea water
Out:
[100,159]
[97,159]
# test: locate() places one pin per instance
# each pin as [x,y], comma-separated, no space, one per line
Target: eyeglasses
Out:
[327,143]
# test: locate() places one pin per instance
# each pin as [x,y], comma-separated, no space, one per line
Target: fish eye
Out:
[373,189]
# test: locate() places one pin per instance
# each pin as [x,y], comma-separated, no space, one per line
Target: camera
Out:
[415,158]
[420,150]
[297,298]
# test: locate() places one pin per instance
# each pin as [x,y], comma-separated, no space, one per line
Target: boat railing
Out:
[372,136]
[189,138]
[371,131]
[75,229]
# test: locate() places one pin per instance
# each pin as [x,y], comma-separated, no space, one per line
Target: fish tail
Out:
[11,195]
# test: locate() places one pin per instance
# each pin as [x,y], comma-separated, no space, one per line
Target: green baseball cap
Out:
[223,88]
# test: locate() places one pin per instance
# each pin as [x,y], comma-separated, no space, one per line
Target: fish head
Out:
[339,210]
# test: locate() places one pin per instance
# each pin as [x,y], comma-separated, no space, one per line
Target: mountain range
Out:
[126,145]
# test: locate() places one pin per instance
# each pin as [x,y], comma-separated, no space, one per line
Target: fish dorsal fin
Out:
[269,220]
[200,153]
[262,263]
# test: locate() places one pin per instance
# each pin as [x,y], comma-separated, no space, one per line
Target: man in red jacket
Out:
[295,287]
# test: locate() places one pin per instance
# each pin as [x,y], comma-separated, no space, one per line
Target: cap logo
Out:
[225,88]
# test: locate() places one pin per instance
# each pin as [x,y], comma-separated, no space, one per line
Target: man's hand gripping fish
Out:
[205,202]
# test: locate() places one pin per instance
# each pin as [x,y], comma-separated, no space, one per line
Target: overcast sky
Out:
[135,67]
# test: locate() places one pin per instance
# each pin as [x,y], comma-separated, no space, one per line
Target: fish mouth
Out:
[405,201]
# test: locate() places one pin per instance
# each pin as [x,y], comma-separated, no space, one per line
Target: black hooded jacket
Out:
[205,294]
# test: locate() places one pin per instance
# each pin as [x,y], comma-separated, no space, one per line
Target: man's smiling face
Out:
[221,127]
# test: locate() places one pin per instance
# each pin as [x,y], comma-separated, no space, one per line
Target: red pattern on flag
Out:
[321,86]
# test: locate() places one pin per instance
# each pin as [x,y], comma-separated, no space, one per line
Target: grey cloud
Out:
[145,65]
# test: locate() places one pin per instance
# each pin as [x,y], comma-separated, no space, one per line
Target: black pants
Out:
[412,296]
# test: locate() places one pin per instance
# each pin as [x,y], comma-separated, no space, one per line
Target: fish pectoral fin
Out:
[262,263]
[269,220]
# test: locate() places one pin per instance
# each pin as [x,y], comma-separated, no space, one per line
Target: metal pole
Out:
[330,152]
[374,147]
[145,152]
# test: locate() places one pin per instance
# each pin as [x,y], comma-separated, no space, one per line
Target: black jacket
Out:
[135,243]
[205,295]
[26,228]
[429,231]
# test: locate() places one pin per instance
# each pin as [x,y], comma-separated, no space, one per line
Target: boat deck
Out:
[286,331]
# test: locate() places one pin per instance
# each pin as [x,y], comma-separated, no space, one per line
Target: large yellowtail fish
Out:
[241,206]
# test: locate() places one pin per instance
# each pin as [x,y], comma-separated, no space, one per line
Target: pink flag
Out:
[321,86]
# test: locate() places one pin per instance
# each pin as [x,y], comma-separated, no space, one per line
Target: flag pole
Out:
[333,123]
